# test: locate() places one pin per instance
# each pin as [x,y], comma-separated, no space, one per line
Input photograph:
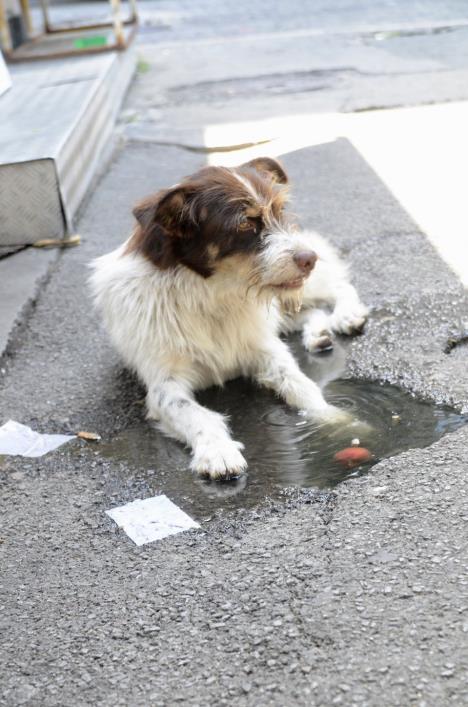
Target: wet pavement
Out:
[351,593]
[283,450]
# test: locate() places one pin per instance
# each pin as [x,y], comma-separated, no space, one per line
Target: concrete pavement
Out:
[353,597]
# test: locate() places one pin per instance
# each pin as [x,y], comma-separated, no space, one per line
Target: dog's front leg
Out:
[329,285]
[347,317]
[215,453]
[276,368]
[349,313]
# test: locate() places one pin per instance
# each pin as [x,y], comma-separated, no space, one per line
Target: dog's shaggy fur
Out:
[211,276]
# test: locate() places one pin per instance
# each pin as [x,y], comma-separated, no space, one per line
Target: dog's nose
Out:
[305,260]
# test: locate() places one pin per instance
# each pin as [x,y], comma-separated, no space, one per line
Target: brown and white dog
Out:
[200,293]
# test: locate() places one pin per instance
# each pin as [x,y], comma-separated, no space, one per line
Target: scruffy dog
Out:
[200,293]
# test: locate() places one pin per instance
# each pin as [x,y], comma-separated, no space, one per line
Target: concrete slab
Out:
[56,120]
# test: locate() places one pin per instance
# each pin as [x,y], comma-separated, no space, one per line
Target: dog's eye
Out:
[246,224]
[251,225]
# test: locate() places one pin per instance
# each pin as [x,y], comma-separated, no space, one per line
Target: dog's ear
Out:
[162,219]
[269,166]
[168,208]
[145,210]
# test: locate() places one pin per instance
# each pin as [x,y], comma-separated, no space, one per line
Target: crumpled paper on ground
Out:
[17,439]
[149,519]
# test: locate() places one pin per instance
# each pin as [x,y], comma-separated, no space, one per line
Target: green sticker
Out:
[85,42]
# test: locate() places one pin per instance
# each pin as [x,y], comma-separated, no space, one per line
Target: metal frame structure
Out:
[19,54]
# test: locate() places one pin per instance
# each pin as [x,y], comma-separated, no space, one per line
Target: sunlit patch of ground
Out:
[421,154]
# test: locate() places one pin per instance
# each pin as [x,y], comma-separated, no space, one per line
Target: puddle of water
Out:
[282,448]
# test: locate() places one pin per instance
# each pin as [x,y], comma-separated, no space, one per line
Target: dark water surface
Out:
[283,449]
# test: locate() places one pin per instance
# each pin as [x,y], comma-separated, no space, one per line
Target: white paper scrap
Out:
[17,439]
[149,519]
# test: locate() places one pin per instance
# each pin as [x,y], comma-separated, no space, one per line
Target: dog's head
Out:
[227,221]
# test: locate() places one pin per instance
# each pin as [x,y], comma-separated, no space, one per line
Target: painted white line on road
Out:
[17,439]
[149,519]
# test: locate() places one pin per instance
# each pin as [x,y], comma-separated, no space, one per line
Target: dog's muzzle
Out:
[305,260]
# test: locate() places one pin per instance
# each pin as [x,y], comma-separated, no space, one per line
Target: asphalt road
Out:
[355,597]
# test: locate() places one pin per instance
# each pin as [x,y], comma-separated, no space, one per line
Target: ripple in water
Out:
[282,448]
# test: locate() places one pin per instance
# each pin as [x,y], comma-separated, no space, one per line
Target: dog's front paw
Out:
[318,342]
[219,460]
[340,420]
[349,320]
[329,415]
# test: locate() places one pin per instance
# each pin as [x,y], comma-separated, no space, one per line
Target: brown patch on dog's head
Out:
[268,166]
[162,222]
[211,215]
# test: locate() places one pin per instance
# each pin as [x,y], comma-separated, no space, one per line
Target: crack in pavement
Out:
[199,149]
[415,32]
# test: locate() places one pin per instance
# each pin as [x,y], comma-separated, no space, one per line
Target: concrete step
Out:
[56,120]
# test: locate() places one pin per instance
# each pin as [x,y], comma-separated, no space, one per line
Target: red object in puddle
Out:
[353,456]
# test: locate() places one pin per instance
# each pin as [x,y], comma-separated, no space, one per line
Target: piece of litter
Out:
[58,242]
[89,436]
[353,456]
[17,439]
[355,442]
[396,417]
[149,519]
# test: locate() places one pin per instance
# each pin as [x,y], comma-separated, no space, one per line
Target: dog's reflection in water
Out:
[283,448]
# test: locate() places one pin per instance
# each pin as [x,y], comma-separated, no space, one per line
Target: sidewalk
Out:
[355,596]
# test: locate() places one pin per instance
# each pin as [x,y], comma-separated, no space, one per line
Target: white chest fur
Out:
[205,330]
